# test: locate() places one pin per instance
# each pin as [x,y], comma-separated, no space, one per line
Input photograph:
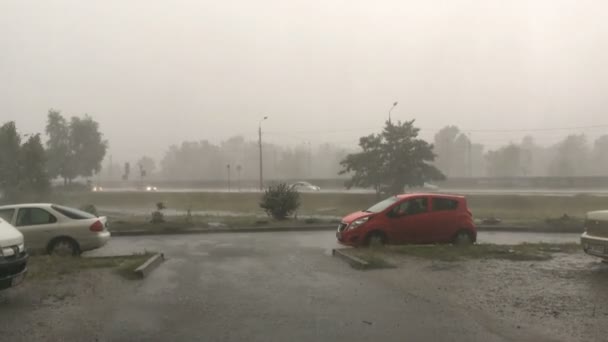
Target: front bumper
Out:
[348,238]
[595,245]
[13,270]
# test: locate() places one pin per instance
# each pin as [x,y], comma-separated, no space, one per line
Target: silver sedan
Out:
[56,229]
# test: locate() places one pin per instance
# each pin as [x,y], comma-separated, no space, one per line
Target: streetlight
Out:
[228,170]
[390,110]
[260,143]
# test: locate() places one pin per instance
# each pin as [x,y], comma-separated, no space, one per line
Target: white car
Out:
[305,186]
[13,256]
[57,229]
[595,238]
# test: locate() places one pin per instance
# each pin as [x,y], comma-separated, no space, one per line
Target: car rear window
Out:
[440,204]
[72,213]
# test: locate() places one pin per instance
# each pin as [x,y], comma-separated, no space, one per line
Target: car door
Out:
[409,221]
[36,225]
[444,223]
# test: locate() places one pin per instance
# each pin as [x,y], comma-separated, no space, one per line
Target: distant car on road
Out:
[151,188]
[304,186]
[56,229]
[97,188]
[595,238]
[410,218]
[13,256]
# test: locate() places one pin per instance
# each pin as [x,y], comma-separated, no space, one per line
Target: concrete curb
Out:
[526,229]
[350,259]
[222,230]
[147,267]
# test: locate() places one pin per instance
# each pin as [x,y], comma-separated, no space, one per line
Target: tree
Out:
[504,162]
[147,165]
[74,149]
[59,156]
[572,157]
[600,156]
[87,146]
[392,160]
[33,173]
[10,142]
[22,167]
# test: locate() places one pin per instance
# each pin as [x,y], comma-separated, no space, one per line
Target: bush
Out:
[90,208]
[280,201]
[158,216]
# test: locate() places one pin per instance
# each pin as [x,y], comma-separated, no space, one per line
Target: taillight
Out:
[96,227]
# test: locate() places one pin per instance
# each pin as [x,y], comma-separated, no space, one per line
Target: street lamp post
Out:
[390,110]
[260,144]
[228,170]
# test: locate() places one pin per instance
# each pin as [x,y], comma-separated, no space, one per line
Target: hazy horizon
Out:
[156,73]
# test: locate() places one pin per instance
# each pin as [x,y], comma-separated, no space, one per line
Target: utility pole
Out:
[261,163]
[228,170]
[470,156]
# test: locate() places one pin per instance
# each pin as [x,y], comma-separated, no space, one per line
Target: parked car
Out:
[13,256]
[595,238]
[305,186]
[56,229]
[410,218]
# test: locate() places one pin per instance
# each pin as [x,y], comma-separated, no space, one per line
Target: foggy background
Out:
[156,74]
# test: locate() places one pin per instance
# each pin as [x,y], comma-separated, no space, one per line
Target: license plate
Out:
[598,249]
[18,279]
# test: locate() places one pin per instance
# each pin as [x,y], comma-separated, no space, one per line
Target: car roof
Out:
[26,205]
[428,194]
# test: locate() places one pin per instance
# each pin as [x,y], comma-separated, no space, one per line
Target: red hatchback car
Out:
[410,218]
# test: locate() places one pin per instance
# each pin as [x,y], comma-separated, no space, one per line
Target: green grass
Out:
[177,223]
[521,252]
[49,267]
[507,207]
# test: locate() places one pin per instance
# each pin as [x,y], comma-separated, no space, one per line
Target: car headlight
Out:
[358,223]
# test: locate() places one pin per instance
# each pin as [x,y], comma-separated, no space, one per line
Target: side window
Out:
[34,217]
[7,215]
[441,204]
[411,207]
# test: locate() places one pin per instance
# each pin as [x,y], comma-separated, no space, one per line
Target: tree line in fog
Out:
[457,156]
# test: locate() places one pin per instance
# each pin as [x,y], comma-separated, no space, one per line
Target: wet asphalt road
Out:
[280,287]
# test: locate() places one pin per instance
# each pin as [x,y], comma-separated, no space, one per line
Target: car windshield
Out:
[74,214]
[381,206]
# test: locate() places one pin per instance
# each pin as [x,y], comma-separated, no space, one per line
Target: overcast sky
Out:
[155,73]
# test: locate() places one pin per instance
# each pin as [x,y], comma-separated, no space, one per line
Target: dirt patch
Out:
[45,267]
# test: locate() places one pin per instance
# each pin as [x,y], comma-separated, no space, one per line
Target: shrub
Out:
[89,208]
[280,201]
[158,216]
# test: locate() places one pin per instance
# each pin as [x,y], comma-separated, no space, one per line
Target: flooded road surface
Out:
[282,287]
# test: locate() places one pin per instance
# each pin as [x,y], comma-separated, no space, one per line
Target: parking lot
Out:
[264,287]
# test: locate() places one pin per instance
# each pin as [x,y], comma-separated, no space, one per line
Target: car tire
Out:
[463,238]
[64,246]
[375,239]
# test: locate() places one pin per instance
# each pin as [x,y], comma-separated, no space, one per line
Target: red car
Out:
[410,218]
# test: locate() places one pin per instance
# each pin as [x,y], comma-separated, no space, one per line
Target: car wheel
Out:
[375,239]
[463,238]
[64,247]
